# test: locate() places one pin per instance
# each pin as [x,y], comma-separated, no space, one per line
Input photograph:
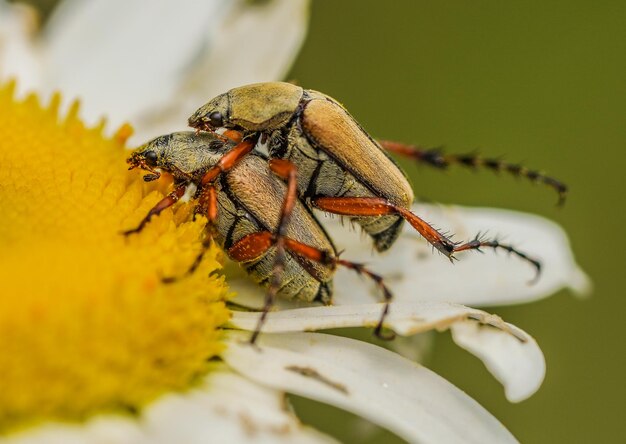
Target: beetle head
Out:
[184,155]
[213,115]
[151,157]
[146,160]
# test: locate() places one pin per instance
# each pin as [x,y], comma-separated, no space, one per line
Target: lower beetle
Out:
[341,168]
[244,206]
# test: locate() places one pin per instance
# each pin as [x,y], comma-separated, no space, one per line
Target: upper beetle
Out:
[339,168]
[333,154]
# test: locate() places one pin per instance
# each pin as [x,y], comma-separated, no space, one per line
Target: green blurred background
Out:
[539,82]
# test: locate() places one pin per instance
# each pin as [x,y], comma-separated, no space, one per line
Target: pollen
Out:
[87,324]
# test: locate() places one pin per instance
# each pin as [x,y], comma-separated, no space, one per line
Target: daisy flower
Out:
[94,347]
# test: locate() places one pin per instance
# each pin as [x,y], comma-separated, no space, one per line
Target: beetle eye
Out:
[216,119]
[151,158]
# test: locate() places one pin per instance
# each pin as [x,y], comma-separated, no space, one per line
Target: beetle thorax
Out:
[263,106]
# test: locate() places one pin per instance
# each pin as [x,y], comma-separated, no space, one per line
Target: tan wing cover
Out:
[262,194]
[333,130]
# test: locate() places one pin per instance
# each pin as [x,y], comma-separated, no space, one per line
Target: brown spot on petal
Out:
[497,323]
[309,372]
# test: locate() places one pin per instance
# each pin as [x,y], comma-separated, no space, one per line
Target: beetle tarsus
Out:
[194,265]
[135,230]
[378,332]
[161,205]
[436,157]
[378,280]
[477,243]
[272,290]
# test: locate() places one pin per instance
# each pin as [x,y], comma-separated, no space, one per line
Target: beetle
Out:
[244,206]
[340,168]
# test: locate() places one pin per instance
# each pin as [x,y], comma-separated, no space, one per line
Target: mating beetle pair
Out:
[327,161]
[244,206]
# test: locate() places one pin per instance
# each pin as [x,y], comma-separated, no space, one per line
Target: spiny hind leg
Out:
[374,206]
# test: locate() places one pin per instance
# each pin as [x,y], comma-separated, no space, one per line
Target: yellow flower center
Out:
[86,323]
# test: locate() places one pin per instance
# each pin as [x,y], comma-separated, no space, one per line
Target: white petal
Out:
[395,393]
[509,353]
[226,408]
[515,360]
[138,62]
[414,272]
[49,434]
[256,43]
[252,44]
[123,56]
[19,58]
